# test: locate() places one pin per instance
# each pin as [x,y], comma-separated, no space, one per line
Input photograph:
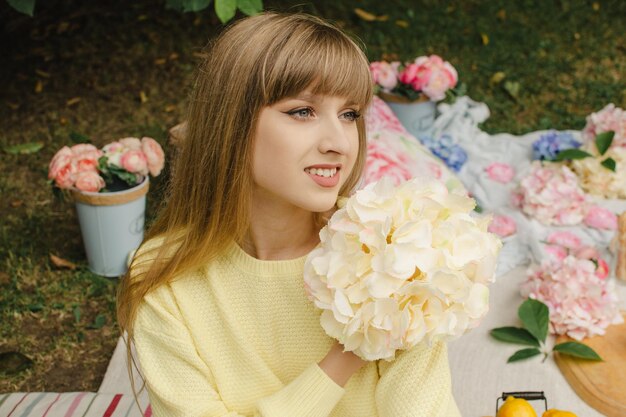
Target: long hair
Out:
[254,63]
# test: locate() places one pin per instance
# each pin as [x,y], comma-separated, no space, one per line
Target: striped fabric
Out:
[73,404]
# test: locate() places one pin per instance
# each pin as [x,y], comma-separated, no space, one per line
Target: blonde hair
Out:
[254,63]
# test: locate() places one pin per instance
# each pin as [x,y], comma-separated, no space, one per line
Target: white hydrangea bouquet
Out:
[399,265]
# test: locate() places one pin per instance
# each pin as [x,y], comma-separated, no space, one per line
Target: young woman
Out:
[214,301]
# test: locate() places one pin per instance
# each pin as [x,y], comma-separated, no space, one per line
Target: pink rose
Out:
[131,143]
[566,239]
[89,181]
[154,155]
[134,161]
[409,74]
[62,158]
[601,218]
[602,271]
[384,75]
[66,176]
[587,252]
[113,147]
[556,253]
[82,148]
[87,164]
[500,172]
[382,161]
[502,226]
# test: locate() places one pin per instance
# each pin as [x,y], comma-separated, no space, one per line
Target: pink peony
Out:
[581,303]
[500,172]
[568,240]
[552,195]
[610,118]
[134,161]
[154,155]
[59,161]
[89,181]
[601,218]
[66,176]
[384,75]
[382,160]
[556,253]
[502,226]
[131,143]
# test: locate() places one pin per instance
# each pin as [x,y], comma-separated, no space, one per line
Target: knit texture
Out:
[240,338]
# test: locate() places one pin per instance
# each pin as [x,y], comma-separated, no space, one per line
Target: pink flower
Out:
[84,148]
[131,143]
[65,177]
[552,195]
[409,75]
[502,226]
[610,118]
[602,271]
[384,75]
[601,218]
[87,164]
[62,158]
[556,253]
[89,181]
[134,161]
[382,160]
[500,172]
[568,240]
[154,155]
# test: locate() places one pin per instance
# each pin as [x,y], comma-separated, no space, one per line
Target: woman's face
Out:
[305,148]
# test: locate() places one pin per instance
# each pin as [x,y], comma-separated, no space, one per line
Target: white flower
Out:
[400,265]
[598,180]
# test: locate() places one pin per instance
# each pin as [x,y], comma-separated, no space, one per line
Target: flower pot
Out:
[112,225]
[416,116]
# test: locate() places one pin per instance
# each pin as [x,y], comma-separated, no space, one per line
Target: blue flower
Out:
[548,146]
[444,148]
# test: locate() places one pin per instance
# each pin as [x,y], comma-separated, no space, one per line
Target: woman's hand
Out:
[340,365]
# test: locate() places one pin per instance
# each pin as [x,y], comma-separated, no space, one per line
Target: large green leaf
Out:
[24,148]
[604,140]
[524,354]
[225,9]
[250,7]
[514,335]
[535,317]
[568,154]
[578,350]
[23,6]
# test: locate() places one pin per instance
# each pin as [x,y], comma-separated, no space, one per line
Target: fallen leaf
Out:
[595,6]
[24,148]
[577,36]
[142,17]
[501,14]
[38,87]
[170,108]
[173,56]
[4,278]
[72,101]
[497,78]
[369,17]
[390,56]
[42,73]
[402,23]
[13,106]
[62,263]
[513,88]
[160,61]
[143,97]
[16,203]
[63,121]
[484,38]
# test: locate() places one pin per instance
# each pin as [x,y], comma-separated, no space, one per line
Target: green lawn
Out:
[109,70]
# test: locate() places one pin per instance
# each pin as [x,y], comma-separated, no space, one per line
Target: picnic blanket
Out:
[478,364]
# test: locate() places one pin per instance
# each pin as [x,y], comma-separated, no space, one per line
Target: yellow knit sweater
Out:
[240,338]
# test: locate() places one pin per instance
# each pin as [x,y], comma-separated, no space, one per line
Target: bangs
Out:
[319,58]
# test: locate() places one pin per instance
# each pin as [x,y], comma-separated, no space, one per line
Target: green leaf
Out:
[79,138]
[250,7]
[604,140]
[512,88]
[23,6]
[77,314]
[568,154]
[524,354]
[225,9]
[99,322]
[35,307]
[535,317]
[578,350]
[24,148]
[609,163]
[514,335]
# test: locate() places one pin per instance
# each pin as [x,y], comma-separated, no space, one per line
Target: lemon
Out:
[558,413]
[516,407]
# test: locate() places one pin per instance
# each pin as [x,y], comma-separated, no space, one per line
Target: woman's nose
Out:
[335,136]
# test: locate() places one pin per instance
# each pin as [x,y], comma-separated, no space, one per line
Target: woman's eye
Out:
[301,113]
[351,115]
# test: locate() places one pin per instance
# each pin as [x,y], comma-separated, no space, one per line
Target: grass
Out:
[84,67]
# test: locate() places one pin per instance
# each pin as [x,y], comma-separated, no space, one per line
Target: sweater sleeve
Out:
[416,384]
[180,383]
